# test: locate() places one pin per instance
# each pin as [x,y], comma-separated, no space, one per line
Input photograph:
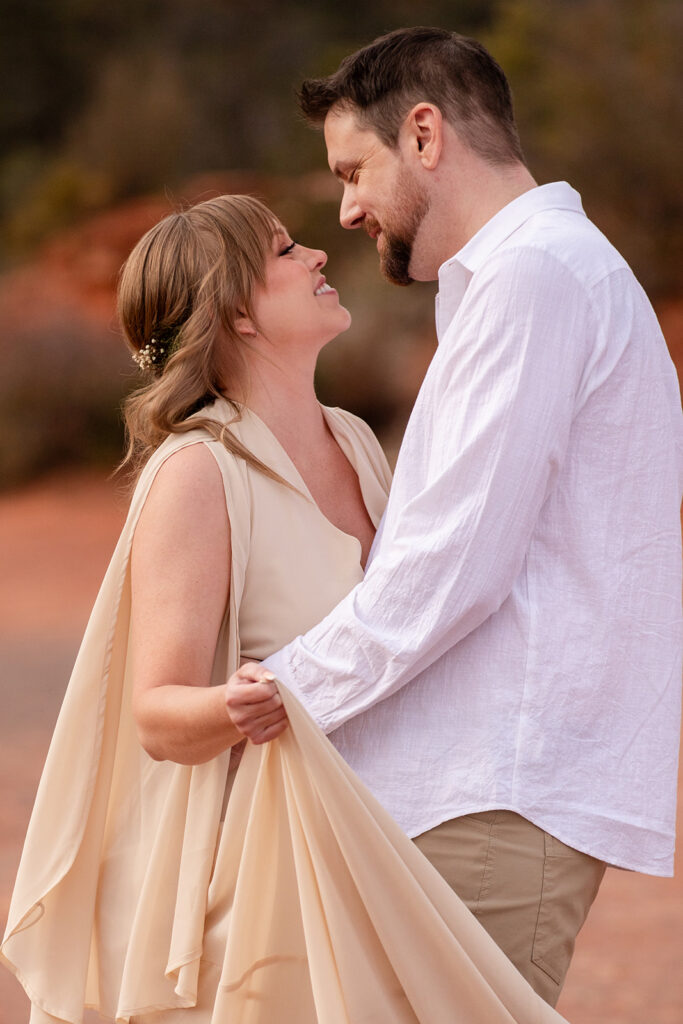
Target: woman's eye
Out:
[288,249]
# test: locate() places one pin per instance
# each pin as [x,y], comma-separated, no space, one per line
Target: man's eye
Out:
[287,249]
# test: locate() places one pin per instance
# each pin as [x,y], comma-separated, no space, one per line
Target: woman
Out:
[266,347]
[160,882]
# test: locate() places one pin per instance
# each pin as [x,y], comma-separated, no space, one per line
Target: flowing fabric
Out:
[306,904]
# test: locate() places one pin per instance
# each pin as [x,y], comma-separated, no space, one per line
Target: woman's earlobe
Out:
[244,325]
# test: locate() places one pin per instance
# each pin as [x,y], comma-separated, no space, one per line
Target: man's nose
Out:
[350,213]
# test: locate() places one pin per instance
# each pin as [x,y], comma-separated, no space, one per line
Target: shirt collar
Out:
[456,273]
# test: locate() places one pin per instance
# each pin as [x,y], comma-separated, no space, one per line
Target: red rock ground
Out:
[55,541]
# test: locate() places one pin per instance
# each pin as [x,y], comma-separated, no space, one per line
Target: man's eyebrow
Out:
[343,168]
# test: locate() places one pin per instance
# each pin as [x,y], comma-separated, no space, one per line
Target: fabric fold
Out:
[324,874]
[109,904]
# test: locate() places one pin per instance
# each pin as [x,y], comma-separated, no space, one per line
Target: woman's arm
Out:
[180,577]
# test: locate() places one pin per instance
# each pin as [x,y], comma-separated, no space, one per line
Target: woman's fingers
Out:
[263,728]
[271,732]
[252,693]
[257,726]
[251,671]
[244,715]
[251,684]
[254,704]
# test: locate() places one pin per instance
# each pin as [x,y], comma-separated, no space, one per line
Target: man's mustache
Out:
[371,226]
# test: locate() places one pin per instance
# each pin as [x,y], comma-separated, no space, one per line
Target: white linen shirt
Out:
[526,577]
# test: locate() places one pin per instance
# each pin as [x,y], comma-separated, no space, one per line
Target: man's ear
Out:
[422,132]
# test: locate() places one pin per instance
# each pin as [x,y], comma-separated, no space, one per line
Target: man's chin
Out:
[403,281]
[394,263]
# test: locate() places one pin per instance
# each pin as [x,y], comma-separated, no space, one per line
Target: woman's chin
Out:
[346,317]
[342,322]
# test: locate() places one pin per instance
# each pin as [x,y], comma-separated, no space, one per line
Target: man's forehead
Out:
[346,140]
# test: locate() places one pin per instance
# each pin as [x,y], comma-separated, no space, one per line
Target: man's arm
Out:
[479,459]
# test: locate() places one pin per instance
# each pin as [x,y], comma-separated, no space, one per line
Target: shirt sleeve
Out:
[480,457]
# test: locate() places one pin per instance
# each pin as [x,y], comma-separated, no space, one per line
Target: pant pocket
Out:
[570,884]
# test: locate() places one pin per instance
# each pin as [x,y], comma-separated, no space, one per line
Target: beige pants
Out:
[530,891]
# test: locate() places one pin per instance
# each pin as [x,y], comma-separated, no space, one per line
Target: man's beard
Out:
[397,249]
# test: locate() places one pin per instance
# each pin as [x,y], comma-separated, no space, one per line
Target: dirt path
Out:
[55,541]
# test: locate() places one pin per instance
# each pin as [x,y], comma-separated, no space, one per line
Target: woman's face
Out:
[296,305]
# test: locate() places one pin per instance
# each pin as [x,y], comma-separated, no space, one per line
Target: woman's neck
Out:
[284,398]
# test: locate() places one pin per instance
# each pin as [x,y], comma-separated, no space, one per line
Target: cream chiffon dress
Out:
[146,895]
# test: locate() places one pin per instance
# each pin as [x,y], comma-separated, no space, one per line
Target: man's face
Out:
[381,193]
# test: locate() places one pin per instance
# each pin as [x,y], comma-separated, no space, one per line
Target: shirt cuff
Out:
[282,667]
[278,664]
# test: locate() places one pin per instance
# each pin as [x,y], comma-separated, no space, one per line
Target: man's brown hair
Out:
[382,81]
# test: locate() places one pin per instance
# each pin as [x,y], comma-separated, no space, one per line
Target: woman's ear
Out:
[245,325]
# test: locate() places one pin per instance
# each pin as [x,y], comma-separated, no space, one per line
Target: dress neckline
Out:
[348,451]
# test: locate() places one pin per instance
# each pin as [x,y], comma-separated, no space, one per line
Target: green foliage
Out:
[119,99]
[139,95]
[598,86]
[63,193]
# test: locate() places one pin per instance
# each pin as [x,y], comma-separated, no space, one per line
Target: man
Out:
[506,679]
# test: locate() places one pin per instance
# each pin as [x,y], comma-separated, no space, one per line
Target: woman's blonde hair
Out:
[182,289]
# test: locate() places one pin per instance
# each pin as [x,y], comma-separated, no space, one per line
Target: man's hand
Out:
[254,704]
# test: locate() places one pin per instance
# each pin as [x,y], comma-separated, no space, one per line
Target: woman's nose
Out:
[316,258]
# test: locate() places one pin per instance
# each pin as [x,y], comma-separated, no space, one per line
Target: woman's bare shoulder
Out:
[186,496]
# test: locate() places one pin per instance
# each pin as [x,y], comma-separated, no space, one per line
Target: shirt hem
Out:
[601,849]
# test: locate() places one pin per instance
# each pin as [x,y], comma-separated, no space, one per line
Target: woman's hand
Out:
[254,704]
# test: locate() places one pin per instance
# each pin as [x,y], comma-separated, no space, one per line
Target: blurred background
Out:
[113,114]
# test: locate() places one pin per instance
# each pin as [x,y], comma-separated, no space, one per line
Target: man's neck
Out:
[465,199]
[488,196]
